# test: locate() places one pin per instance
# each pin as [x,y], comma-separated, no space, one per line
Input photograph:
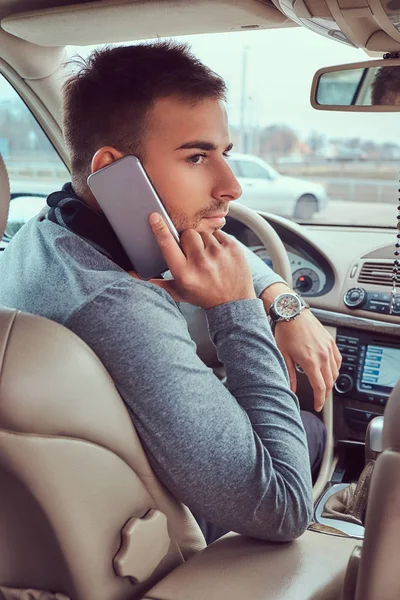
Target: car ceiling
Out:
[122,20]
[14,6]
[8,7]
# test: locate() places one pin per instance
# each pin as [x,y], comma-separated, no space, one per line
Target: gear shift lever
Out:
[373,439]
[350,503]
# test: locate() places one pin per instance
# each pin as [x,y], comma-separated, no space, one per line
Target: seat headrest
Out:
[4,196]
[391,424]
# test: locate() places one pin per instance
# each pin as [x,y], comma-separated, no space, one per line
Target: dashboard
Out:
[312,274]
[308,278]
[346,276]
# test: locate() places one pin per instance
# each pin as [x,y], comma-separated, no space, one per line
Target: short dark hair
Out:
[386,86]
[106,102]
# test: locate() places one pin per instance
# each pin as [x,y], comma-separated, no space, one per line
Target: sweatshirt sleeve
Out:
[235,455]
[263,275]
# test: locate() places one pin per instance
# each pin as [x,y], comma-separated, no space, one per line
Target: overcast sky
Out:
[281,65]
[280,68]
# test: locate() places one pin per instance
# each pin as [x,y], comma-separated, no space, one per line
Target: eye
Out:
[226,154]
[196,159]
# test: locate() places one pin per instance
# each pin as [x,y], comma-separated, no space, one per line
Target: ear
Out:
[105,156]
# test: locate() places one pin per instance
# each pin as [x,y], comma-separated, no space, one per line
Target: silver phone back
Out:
[127,198]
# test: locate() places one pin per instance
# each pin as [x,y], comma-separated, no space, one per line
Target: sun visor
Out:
[370,24]
[105,21]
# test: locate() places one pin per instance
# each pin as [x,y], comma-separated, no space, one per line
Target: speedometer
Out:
[306,281]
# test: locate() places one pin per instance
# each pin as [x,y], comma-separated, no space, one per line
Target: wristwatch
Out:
[286,307]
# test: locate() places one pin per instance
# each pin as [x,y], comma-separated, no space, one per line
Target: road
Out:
[340,212]
[360,190]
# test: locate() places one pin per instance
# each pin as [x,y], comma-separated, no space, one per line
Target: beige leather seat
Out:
[81,512]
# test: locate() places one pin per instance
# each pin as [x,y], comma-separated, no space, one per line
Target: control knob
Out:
[355,297]
[344,383]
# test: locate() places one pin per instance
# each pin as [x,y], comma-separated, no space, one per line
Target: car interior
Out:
[82,514]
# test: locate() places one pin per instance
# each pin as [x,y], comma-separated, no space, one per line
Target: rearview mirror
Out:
[371,86]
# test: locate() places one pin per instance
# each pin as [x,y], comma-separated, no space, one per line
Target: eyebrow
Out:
[201,145]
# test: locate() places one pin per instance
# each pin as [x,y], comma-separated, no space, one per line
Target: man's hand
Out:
[304,341]
[204,268]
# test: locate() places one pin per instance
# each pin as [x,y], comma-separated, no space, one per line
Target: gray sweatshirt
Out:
[236,454]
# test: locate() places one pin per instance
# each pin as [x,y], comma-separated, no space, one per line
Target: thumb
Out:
[291,371]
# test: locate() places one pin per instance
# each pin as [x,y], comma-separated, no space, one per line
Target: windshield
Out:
[332,167]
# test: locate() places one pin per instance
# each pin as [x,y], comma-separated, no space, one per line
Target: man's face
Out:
[185,157]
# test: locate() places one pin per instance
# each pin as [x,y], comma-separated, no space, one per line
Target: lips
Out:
[217,216]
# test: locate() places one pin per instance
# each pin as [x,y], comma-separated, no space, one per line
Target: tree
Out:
[20,129]
[278,140]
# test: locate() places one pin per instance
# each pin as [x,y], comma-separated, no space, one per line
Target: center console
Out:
[369,371]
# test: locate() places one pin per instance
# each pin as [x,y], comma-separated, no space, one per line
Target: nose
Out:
[227,187]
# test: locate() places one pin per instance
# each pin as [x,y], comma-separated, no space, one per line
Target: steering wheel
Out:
[267,236]
[195,316]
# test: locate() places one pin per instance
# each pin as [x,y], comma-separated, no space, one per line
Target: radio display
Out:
[381,369]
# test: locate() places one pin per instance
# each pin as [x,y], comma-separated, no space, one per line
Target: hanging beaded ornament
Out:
[396,264]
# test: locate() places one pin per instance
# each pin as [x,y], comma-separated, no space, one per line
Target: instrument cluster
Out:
[308,278]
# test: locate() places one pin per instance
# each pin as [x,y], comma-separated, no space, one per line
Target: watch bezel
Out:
[278,316]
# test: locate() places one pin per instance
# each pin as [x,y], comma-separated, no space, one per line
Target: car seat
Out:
[81,511]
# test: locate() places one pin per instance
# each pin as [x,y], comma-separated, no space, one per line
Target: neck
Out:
[91,201]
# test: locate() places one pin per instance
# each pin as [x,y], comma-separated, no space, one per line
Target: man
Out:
[237,456]
[386,86]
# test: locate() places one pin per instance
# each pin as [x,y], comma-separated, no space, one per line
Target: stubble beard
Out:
[182,221]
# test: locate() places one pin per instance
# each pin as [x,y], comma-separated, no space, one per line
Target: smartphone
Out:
[127,198]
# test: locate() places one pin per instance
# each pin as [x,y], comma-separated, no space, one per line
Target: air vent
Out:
[376,273]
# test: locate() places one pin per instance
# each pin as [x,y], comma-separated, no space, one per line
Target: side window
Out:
[253,170]
[34,167]
[234,165]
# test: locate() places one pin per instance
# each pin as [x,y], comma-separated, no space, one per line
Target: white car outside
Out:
[266,189]
[22,209]
[263,189]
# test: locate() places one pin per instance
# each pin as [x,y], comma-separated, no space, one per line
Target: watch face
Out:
[287,306]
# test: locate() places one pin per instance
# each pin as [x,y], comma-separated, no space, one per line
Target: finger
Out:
[291,371]
[337,355]
[170,249]
[334,367]
[319,388]
[210,241]
[192,244]
[222,237]
[327,374]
